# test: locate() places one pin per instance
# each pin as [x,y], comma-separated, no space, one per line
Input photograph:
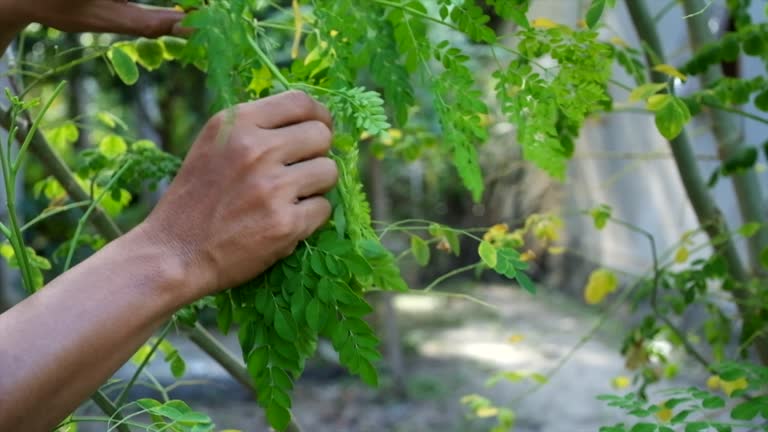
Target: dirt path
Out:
[454,346]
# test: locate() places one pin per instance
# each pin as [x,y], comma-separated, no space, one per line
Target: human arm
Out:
[247,193]
[113,16]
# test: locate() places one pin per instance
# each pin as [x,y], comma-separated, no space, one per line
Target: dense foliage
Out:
[381,68]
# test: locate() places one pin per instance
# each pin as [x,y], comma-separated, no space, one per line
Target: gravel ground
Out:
[454,346]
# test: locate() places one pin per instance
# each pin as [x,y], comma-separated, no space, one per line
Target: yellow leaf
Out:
[621,382]
[261,79]
[527,256]
[671,71]
[601,283]
[664,414]
[486,412]
[544,23]
[682,254]
[619,42]
[731,386]
[645,91]
[395,133]
[515,338]
[298,24]
[658,101]
[713,382]
[547,229]
[495,232]
[556,250]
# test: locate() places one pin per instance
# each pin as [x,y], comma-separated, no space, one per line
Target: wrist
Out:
[182,275]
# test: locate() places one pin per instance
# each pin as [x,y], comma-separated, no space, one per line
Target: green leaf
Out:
[645,91]
[750,229]
[644,427]
[453,241]
[313,315]
[278,416]
[595,12]
[488,253]
[713,402]
[696,426]
[764,258]
[525,282]
[173,47]
[746,411]
[124,66]
[420,250]
[285,326]
[368,373]
[150,53]
[672,117]
[112,146]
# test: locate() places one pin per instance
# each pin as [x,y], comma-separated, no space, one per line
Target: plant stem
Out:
[703,204]
[266,61]
[52,212]
[449,275]
[40,147]
[33,129]
[124,393]
[16,238]
[84,219]
[689,348]
[108,408]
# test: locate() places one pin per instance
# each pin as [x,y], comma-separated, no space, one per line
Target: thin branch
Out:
[124,393]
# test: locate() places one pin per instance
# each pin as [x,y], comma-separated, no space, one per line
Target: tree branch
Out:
[703,204]
[729,131]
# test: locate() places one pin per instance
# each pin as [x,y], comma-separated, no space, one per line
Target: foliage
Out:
[366,63]
[693,409]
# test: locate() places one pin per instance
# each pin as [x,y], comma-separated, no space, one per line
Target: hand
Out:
[248,192]
[111,16]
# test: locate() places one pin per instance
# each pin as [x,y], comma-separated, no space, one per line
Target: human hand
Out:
[248,192]
[109,16]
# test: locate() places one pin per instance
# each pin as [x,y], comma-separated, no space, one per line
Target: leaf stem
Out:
[53,212]
[34,127]
[81,223]
[449,275]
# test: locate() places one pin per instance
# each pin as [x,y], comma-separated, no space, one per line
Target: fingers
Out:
[313,177]
[127,18]
[315,212]
[303,141]
[286,109]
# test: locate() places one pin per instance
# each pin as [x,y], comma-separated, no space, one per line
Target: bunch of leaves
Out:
[693,409]
[148,164]
[318,291]
[542,101]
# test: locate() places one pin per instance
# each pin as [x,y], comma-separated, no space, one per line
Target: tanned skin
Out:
[250,189]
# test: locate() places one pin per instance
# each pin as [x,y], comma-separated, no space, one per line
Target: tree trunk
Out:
[386,314]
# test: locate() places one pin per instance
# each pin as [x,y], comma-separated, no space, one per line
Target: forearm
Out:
[59,345]
[10,25]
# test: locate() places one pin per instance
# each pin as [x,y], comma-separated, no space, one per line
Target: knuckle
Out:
[265,188]
[285,225]
[324,134]
[301,101]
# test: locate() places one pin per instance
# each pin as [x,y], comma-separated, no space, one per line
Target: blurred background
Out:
[554,352]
